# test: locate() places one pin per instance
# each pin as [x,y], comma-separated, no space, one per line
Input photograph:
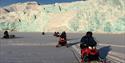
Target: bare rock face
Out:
[32,7]
[22,7]
[16,8]
[3,11]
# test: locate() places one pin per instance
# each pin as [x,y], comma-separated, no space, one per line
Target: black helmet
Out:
[89,33]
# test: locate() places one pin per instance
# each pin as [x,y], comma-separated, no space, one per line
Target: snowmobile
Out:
[56,34]
[62,42]
[8,37]
[43,33]
[90,54]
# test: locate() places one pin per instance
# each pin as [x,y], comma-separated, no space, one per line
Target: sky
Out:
[9,2]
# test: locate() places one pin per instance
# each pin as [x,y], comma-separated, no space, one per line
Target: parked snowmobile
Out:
[61,42]
[56,34]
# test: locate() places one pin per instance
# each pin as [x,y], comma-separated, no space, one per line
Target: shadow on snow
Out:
[103,52]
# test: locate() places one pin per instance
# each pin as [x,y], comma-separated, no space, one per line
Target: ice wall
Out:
[81,16]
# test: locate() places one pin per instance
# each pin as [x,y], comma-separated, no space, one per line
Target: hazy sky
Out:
[9,2]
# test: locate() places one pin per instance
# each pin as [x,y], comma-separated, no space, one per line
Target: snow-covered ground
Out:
[34,47]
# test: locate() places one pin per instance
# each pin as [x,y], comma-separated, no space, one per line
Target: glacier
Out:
[80,16]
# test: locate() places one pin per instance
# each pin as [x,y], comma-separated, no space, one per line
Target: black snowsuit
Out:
[87,41]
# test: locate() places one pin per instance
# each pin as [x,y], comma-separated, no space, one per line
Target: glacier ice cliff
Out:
[80,16]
